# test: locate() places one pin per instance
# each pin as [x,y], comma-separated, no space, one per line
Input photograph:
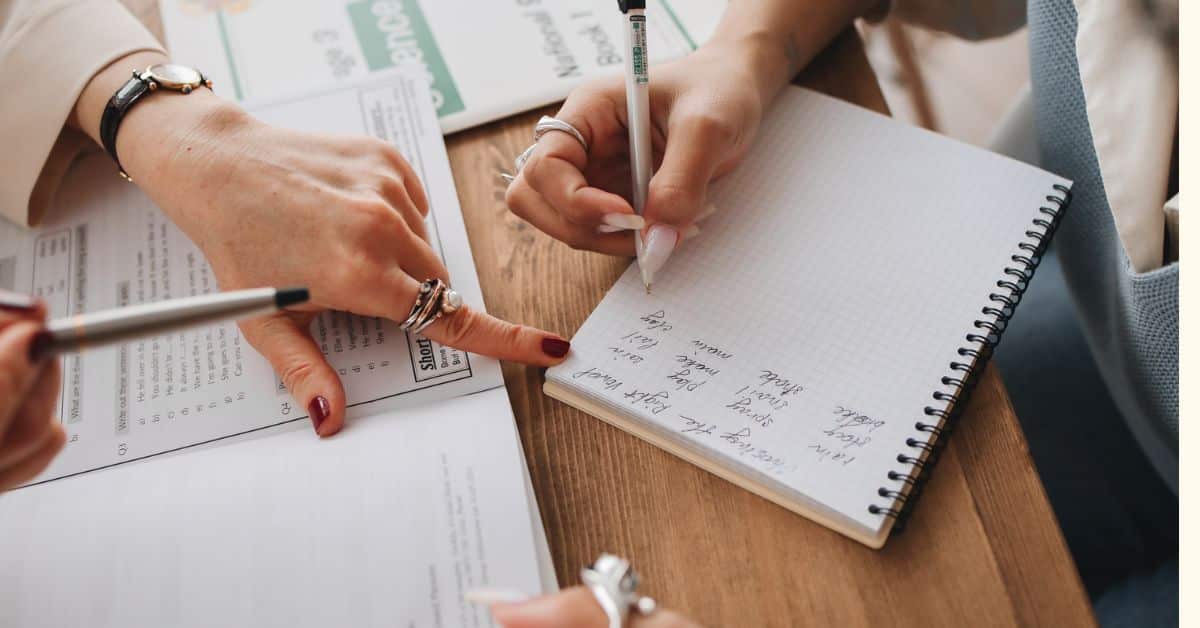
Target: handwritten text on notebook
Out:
[741,407]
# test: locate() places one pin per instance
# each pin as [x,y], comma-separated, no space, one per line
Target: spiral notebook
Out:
[814,344]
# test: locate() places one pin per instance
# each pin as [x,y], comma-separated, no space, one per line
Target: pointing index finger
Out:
[479,332]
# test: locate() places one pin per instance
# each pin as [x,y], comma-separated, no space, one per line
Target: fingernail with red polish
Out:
[39,347]
[318,411]
[555,347]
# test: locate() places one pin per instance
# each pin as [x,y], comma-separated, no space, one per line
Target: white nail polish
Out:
[660,242]
[486,597]
[625,221]
[691,232]
[609,229]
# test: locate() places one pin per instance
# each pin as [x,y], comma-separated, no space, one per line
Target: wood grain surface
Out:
[983,549]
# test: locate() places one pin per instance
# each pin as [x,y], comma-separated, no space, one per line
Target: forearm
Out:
[784,35]
[162,139]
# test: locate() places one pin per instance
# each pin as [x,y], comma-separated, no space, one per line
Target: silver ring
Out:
[614,583]
[543,126]
[549,123]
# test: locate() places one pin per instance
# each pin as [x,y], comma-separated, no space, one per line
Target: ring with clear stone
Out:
[434,299]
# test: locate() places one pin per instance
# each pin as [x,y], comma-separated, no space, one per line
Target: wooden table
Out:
[983,548]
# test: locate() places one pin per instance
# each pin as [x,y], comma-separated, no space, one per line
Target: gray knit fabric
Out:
[1131,320]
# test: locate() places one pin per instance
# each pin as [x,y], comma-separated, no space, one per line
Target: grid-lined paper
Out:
[798,338]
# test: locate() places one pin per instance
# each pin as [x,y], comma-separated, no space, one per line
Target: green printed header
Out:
[394,32]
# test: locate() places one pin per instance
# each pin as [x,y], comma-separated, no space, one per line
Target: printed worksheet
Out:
[481,60]
[104,244]
[388,524]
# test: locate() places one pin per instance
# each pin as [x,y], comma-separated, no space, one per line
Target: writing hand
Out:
[705,112]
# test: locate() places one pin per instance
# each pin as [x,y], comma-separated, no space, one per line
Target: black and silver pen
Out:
[124,324]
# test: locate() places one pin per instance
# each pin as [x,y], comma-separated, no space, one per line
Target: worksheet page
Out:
[388,524]
[481,60]
[104,244]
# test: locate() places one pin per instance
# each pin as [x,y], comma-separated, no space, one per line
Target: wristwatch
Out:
[177,78]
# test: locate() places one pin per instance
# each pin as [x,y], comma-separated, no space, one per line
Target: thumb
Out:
[284,341]
[696,147]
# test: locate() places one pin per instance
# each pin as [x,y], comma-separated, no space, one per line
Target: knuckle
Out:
[673,194]
[295,374]
[374,216]
[512,335]
[461,327]
[713,128]
[390,186]
[382,148]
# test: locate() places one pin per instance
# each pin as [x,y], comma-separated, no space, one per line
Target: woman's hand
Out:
[343,216]
[575,608]
[705,112]
[30,436]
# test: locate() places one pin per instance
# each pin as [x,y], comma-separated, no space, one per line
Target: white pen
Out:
[641,148]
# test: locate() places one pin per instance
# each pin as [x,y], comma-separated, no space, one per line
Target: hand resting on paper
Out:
[29,385]
[343,216]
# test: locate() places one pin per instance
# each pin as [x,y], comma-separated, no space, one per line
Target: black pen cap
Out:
[290,296]
[626,5]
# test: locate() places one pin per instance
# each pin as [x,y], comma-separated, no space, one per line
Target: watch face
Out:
[174,76]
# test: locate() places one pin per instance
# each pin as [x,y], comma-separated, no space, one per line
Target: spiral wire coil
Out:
[926,448]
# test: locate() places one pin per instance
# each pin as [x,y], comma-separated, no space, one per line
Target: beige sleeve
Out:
[969,19]
[49,50]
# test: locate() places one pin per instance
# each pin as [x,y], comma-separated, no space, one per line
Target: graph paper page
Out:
[797,340]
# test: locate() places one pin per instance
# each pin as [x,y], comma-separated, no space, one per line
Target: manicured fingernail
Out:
[39,347]
[555,347]
[609,229]
[691,232]
[487,597]
[318,411]
[660,242]
[625,221]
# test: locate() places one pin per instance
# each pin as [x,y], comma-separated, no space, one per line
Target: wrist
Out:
[169,132]
[768,58]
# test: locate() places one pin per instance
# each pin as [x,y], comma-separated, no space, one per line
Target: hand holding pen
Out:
[705,111]
[30,436]
[30,380]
